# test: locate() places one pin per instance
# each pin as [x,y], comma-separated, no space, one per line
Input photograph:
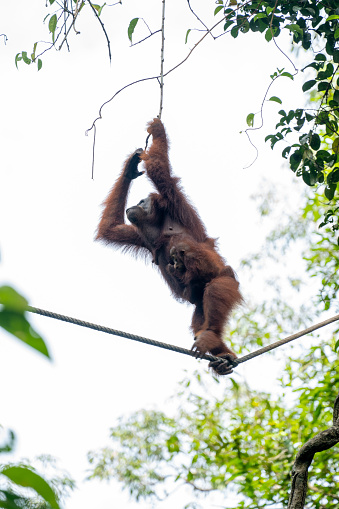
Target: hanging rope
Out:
[162,58]
[178,349]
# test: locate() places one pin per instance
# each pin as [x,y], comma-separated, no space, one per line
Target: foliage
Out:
[320,252]
[322,255]
[13,319]
[229,438]
[61,19]
[243,442]
[21,487]
[314,26]
[17,481]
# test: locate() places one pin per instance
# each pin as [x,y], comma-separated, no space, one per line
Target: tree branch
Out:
[103,28]
[321,442]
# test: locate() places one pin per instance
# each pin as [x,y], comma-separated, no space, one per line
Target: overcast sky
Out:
[50,208]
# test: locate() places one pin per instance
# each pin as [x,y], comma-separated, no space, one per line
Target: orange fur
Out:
[168,227]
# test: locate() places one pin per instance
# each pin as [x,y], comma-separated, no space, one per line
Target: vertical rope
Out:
[162,59]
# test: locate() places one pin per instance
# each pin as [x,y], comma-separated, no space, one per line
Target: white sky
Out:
[49,209]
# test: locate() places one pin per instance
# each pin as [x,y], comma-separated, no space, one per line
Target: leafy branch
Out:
[60,23]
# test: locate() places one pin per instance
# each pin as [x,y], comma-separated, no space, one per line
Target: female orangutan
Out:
[166,226]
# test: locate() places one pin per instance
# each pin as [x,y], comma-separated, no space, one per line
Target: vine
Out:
[310,134]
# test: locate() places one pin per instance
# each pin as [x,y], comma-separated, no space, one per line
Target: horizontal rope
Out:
[178,349]
[287,340]
[120,333]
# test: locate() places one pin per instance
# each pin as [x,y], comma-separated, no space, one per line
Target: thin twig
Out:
[194,47]
[113,97]
[164,75]
[273,80]
[147,37]
[262,110]
[76,12]
[93,150]
[147,79]
[103,28]
[68,31]
[195,14]
[5,37]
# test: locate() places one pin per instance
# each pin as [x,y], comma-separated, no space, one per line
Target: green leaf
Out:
[18,57]
[287,74]
[97,7]
[187,33]
[336,34]
[218,9]
[315,141]
[285,152]
[131,27]
[25,57]
[324,85]
[51,2]
[323,155]
[275,99]
[101,7]
[334,16]
[294,27]
[309,177]
[33,52]
[11,299]
[235,32]
[250,119]
[295,160]
[269,34]
[173,444]
[308,84]
[333,177]
[25,477]
[330,190]
[15,323]
[322,117]
[260,15]
[317,412]
[335,145]
[320,57]
[336,346]
[52,25]
[228,24]
[39,64]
